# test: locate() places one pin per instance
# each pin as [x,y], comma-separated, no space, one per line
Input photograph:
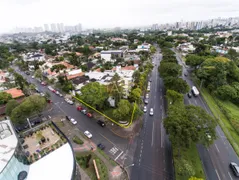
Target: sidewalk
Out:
[130,132]
[114,170]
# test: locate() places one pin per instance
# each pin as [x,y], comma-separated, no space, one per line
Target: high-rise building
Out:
[155,27]
[53,28]
[62,27]
[46,27]
[13,162]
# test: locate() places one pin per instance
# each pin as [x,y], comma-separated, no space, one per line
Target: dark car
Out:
[189,95]
[235,169]
[101,123]
[101,146]
[27,73]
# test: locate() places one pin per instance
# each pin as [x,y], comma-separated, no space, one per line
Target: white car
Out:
[69,101]
[42,94]
[151,113]
[88,134]
[145,109]
[73,121]
[147,96]
[33,77]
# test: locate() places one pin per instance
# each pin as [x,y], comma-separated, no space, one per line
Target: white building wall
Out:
[106,57]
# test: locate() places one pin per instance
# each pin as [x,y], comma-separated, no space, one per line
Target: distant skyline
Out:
[110,13]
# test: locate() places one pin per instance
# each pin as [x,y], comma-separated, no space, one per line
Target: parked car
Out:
[51,89]
[88,134]
[101,123]
[145,109]
[101,146]
[79,108]
[33,77]
[84,111]
[43,83]
[27,73]
[147,96]
[42,94]
[146,101]
[151,113]
[235,169]
[49,101]
[69,101]
[89,115]
[72,120]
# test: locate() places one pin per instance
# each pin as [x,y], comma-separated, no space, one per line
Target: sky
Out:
[110,13]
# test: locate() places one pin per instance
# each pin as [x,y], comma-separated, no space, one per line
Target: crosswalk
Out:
[113,150]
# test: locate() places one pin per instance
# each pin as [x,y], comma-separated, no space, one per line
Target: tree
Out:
[189,124]
[194,60]
[31,105]
[174,97]
[226,92]
[136,76]
[123,110]
[232,54]
[38,74]
[4,97]
[116,89]
[47,95]
[135,95]
[12,104]
[94,94]
[176,84]
[19,80]
[170,69]
[58,67]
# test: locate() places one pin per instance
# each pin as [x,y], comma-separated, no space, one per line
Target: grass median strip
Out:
[188,161]
[77,140]
[225,124]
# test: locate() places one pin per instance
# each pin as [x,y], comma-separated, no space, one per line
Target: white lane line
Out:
[119,155]
[217,175]
[195,102]
[152,135]
[217,148]
[161,134]
[229,175]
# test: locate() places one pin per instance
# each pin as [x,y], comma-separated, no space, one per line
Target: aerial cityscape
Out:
[90,92]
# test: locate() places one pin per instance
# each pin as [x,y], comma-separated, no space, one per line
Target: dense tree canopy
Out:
[94,94]
[170,69]
[4,97]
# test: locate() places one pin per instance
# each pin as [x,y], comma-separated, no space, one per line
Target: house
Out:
[29,57]
[46,69]
[186,47]
[143,47]
[16,93]
[132,58]
[108,55]
[74,74]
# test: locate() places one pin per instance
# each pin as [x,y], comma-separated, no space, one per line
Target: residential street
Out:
[119,149]
[217,157]
[153,157]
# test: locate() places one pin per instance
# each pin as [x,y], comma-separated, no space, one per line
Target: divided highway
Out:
[217,157]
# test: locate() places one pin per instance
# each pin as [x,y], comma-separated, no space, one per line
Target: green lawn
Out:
[77,140]
[190,155]
[225,124]
[103,171]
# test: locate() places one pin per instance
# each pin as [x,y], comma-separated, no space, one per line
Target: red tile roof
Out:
[69,77]
[16,93]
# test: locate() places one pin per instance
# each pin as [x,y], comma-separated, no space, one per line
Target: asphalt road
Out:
[153,157]
[217,157]
[119,149]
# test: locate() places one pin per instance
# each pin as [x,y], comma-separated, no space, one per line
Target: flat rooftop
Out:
[8,143]
[56,165]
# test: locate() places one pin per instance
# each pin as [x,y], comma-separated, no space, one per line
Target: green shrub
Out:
[77,140]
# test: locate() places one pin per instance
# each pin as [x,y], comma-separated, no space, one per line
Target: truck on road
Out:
[195,91]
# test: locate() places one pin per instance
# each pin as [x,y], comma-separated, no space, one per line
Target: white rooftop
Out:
[8,142]
[56,165]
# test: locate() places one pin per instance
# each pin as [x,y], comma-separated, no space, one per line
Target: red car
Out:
[49,101]
[79,108]
[89,115]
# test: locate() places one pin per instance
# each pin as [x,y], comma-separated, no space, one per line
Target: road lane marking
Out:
[119,155]
[230,175]
[195,102]
[217,175]
[217,148]
[161,134]
[152,135]
[107,139]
